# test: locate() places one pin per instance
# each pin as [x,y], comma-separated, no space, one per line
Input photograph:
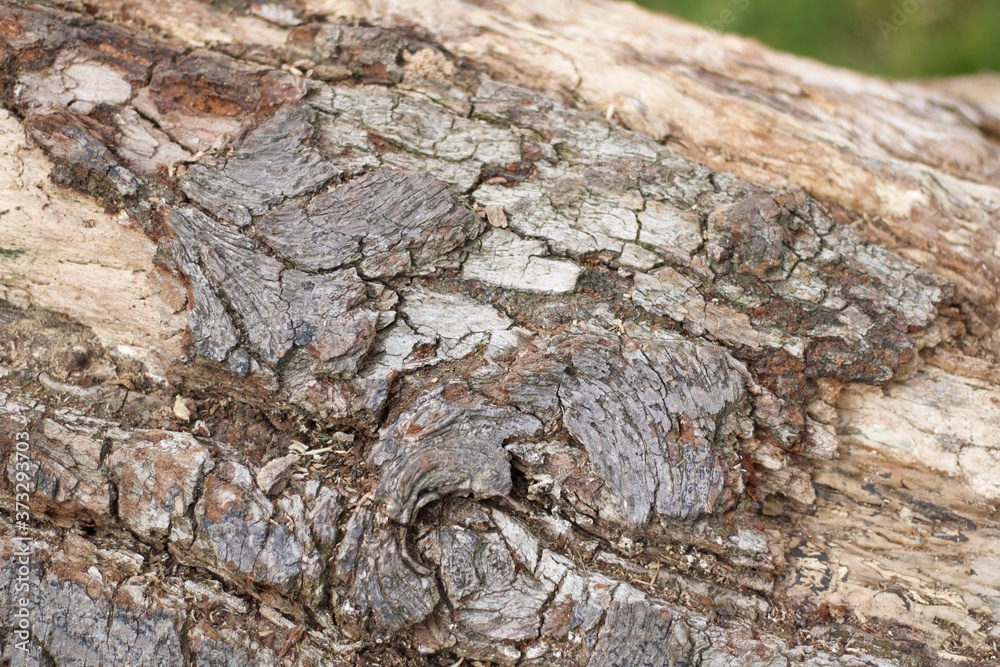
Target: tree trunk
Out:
[548,333]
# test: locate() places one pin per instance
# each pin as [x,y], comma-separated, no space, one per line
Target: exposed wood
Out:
[537,334]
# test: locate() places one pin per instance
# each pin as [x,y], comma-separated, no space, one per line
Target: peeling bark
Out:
[434,363]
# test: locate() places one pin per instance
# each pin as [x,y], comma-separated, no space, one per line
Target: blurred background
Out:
[895,38]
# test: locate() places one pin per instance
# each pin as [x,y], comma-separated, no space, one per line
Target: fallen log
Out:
[410,333]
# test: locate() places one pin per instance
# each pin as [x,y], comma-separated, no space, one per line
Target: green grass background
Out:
[936,38]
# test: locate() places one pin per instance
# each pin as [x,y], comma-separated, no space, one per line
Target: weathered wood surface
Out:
[412,333]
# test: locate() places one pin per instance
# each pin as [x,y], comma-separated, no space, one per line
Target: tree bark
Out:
[549,333]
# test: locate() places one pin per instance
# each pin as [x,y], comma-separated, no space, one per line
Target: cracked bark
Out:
[345,333]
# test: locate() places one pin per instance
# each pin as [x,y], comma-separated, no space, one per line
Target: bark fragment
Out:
[450,442]
[274,163]
[387,222]
[157,475]
[648,410]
